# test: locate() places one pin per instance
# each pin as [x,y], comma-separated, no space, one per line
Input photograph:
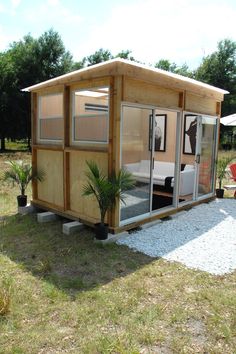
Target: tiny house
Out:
[160,126]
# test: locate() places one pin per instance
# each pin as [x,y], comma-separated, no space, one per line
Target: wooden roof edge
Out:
[62,79]
[119,66]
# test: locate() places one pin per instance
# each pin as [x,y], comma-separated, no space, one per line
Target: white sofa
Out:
[141,171]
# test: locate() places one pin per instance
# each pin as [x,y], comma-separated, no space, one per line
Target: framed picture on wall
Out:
[190,134]
[159,126]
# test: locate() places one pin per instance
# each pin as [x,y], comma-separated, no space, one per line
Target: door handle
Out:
[198,158]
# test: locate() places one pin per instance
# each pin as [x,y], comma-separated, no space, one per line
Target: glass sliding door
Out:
[198,156]
[136,157]
[207,155]
[164,159]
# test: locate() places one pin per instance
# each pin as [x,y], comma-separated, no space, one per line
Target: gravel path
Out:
[202,238]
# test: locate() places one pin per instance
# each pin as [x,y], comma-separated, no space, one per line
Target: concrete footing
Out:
[112,238]
[46,217]
[72,227]
[28,209]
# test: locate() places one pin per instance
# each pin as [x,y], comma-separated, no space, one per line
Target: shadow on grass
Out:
[71,263]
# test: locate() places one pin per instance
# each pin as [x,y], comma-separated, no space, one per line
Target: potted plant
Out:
[22,174]
[222,163]
[107,190]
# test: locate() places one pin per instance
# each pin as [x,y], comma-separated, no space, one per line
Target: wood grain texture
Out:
[51,189]
[199,104]
[137,91]
[84,207]
[114,217]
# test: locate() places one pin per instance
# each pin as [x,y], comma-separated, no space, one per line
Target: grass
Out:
[8,192]
[69,295]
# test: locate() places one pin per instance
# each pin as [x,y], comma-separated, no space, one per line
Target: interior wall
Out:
[169,153]
[135,144]
[90,122]
[51,105]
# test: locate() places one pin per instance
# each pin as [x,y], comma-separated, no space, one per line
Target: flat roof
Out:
[130,68]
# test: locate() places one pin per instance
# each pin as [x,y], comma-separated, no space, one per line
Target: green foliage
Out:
[165,64]
[222,164]
[106,190]
[25,63]
[219,69]
[102,55]
[125,54]
[22,174]
[98,57]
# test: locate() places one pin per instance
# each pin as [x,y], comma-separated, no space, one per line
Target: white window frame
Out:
[88,142]
[43,140]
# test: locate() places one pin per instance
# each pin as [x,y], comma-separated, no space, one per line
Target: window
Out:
[50,118]
[90,116]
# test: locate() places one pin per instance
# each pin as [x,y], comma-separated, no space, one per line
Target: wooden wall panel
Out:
[51,189]
[137,91]
[86,207]
[198,104]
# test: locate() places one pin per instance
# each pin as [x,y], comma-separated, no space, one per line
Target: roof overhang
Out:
[138,71]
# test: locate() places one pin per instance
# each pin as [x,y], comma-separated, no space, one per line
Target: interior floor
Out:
[137,201]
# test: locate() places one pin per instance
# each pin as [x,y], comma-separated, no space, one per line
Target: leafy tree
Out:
[79,64]
[31,61]
[165,64]
[125,54]
[219,69]
[7,83]
[99,56]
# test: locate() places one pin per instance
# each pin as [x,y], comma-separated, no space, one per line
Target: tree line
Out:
[33,60]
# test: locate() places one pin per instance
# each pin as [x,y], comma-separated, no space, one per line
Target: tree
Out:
[125,54]
[31,61]
[165,64]
[219,69]
[99,56]
[7,83]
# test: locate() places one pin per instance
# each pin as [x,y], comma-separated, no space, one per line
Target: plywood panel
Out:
[86,207]
[51,189]
[197,104]
[138,91]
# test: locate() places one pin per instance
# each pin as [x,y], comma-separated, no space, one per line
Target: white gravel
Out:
[202,238]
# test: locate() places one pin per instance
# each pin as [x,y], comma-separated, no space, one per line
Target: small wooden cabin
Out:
[160,126]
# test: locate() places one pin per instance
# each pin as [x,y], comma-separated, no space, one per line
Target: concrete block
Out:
[46,216]
[112,238]
[72,227]
[28,209]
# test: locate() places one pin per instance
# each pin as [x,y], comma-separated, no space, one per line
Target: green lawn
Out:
[69,295]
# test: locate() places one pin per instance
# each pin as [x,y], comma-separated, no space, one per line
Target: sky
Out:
[182,31]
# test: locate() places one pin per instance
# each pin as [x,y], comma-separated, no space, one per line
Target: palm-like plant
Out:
[22,174]
[106,189]
[222,163]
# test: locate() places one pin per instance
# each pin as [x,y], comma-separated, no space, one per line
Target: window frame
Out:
[72,135]
[39,139]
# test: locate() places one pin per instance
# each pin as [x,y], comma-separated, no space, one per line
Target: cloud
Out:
[5,39]
[180,30]
[52,12]
[15,3]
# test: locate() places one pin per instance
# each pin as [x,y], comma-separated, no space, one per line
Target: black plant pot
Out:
[22,200]
[220,193]
[101,231]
